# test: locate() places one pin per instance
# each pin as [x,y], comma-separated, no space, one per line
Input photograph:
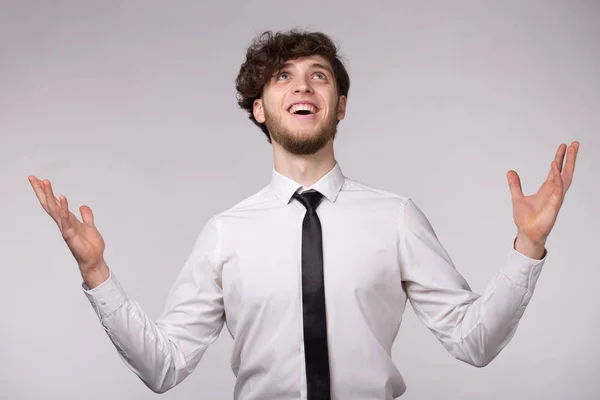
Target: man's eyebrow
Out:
[326,68]
[313,65]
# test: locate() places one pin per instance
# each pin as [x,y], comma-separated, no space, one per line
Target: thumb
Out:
[514,184]
[87,215]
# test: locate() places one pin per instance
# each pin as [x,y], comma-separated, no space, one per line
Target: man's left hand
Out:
[536,214]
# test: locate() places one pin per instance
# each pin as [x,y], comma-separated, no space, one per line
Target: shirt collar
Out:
[329,185]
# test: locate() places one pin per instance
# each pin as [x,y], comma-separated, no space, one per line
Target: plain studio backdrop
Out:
[129,107]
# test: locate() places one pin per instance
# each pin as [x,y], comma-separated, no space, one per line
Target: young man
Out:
[312,273]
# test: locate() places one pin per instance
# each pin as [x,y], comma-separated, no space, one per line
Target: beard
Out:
[301,141]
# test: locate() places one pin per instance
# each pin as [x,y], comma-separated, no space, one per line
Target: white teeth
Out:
[303,107]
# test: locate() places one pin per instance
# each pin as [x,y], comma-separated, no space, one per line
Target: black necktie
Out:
[313,300]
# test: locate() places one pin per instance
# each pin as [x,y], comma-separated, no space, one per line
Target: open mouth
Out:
[303,109]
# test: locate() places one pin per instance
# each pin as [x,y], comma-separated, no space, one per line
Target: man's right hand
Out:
[84,240]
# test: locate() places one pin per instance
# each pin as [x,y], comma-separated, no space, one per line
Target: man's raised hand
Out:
[82,238]
[536,214]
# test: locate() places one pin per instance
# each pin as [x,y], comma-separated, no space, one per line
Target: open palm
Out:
[84,240]
[535,215]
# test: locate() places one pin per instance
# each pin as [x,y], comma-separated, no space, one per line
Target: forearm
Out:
[140,342]
[489,323]
[474,328]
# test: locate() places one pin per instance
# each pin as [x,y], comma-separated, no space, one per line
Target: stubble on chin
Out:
[298,142]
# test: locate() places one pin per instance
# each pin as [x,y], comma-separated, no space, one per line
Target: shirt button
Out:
[103,302]
[524,270]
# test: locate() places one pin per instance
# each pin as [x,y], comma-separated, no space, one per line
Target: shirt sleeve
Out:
[164,352]
[473,328]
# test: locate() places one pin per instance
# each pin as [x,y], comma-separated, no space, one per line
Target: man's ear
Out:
[258,111]
[341,111]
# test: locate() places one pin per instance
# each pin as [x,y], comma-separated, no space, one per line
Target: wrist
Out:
[529,248]
[95,275]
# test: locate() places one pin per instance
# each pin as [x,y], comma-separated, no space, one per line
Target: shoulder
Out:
[403,205]
[354,187]
[258,200]
[212,229]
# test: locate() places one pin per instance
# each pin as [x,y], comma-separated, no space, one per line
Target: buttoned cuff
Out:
[106,297]
[522,270]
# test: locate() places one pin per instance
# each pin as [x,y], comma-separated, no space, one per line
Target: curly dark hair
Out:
[269,51]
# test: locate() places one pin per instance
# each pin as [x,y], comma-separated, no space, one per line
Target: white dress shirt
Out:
[379,251]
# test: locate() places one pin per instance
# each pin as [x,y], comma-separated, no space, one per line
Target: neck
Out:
[306,170]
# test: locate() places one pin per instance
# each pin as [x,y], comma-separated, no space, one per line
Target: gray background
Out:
[129,107]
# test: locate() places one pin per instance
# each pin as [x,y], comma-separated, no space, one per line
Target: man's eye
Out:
[319,75]
[283,75]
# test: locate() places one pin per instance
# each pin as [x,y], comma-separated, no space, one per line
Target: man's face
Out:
[300,105]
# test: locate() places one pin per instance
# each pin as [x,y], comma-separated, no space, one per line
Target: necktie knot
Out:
[309,199]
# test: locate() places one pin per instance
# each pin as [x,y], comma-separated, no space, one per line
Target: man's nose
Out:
[302,86]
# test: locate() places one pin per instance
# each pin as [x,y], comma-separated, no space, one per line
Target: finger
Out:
[35,183]
[87,215]
[514,184]
[557,177]
[551,190]
[558,158]
[556,194]
[560,155]
[38,188]
[51,201]
[65,221]
[569,169]
[45,197]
